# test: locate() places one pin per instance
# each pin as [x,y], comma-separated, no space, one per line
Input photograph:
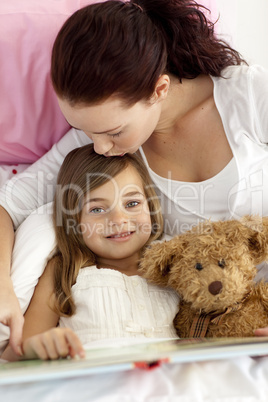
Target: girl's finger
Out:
[33,347]
[61,344]
[49,343]
[75,345]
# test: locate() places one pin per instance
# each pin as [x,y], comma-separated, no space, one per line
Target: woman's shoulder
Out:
[241,99]
[240,86]
[241,74]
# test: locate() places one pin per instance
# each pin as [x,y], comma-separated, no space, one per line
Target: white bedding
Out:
[235,380]
[242,379]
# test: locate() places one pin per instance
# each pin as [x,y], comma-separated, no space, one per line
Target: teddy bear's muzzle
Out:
[215,287]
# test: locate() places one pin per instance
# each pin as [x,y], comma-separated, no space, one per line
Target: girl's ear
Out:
[156,262]
[161,88]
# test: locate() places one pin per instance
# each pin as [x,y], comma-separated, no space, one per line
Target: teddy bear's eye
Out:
[221,263]
[198,266]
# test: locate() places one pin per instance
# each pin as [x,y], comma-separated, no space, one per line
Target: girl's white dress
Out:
[113,305]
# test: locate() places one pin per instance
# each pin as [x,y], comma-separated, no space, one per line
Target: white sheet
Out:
[238,380]
[234,380]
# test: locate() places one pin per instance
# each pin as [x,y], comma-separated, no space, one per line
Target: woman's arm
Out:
[261,332]
[10,312]
[41,338]
[34,187]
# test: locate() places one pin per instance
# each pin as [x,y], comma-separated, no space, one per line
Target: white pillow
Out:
[34,245]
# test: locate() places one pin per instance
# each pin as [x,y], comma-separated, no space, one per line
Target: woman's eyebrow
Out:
[96,132]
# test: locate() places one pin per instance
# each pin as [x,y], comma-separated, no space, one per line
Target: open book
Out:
[136,355]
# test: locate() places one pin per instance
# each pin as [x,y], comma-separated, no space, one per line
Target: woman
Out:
[151,75]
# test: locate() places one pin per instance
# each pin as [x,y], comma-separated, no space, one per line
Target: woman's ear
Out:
[161,88]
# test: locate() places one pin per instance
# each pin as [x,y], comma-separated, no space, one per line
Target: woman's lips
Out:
[110,155]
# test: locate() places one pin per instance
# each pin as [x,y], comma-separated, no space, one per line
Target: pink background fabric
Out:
[30,118]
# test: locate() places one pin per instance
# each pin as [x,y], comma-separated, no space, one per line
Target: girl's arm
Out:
[41,337]
[18,198]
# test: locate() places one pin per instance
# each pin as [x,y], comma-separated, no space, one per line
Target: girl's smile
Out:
[120,236]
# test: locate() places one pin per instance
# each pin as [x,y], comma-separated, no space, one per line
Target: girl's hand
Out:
[52,344]
[261,331]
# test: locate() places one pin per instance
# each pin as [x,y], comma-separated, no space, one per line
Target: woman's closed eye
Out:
[115,135]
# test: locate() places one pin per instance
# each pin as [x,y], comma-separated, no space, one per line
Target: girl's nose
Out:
[118,216]
[102,145]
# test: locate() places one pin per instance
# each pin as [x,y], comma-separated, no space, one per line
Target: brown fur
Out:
[239,246]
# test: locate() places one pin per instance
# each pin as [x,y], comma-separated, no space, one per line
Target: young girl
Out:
[151,75]
[105,213]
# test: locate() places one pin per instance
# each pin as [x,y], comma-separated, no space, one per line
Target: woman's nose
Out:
[102,145]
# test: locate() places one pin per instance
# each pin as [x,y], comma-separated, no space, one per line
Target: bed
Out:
[28,108]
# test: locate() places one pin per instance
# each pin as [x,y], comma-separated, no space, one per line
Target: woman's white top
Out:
[240,188]
[110,304]
[185,204]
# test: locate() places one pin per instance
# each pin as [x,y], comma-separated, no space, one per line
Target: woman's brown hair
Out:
[121,48]
[84,170]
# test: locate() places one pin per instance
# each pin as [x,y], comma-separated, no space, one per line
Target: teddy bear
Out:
[212,267]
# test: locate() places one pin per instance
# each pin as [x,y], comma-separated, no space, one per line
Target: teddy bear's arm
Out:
[183,320]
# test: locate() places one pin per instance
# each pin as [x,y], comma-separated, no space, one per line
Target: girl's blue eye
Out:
[116,134]
[96,210]
[132,204]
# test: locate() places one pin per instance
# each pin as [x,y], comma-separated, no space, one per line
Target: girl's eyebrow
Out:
[100,199]
[96,199]
[133,193]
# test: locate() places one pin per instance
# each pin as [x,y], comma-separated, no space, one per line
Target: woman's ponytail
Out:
[192,46]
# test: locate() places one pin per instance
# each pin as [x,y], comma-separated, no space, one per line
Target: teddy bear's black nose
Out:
[215,288]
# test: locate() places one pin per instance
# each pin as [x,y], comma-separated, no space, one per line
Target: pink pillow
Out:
[30,119]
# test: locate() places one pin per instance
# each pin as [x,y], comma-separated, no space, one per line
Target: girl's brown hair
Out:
[84,170]
[121,48]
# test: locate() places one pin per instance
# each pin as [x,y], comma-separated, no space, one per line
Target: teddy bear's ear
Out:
[155,263]
[158,258]
[257,230]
